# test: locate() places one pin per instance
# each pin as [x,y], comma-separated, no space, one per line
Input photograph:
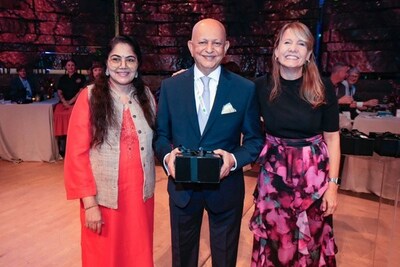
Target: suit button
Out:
[142,148]
[139,131]
[134,116]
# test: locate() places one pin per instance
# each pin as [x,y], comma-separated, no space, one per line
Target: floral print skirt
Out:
[288,226]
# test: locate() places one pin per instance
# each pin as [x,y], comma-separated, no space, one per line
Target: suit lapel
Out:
[189,100]
[220,99]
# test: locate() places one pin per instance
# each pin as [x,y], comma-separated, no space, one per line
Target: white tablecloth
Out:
[26,132]
[365,174]
[367,122]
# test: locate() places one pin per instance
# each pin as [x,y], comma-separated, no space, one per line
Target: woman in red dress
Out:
[68,88]
[109,164]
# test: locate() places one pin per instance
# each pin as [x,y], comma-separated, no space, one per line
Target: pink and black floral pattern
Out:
[287,223]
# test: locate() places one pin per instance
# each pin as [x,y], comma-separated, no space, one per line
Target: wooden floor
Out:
[40,228]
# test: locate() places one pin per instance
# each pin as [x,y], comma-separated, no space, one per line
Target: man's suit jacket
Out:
[177,124]
[18,91]
[341,90]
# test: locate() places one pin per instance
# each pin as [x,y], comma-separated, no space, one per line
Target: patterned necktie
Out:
[203,114]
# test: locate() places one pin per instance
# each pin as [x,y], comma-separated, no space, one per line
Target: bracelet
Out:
[335,180]
[91,207]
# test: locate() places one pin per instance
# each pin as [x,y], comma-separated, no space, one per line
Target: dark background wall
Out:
[165,27]
[363,33]
[29,28]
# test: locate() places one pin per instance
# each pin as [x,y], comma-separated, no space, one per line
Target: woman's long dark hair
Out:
[101,104]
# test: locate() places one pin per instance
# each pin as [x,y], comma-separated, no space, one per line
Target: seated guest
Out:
[22,88]
[338,75]
[69,86]
[350,88]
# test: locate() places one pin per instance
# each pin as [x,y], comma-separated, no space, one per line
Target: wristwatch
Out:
[335,180]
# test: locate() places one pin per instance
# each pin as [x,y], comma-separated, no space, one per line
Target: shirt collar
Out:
[214,75]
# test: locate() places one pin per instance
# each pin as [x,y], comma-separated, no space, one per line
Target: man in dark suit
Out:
[22,88]
[338,75]
[232,111]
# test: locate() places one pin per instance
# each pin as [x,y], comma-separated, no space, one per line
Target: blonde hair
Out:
[312,88]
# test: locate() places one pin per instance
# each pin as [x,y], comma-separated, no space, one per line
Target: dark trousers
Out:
[62,143]
[186,225]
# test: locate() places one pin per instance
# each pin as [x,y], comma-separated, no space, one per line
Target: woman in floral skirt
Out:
[296,193]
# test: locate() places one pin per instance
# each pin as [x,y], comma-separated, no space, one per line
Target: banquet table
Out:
[26,132]
[368,122]
[376,174]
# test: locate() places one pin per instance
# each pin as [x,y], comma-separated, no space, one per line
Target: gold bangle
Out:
[91,207]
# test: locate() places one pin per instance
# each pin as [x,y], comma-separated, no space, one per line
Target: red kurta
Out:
[127,234]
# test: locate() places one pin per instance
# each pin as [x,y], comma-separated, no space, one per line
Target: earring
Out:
[107,72]
[276,58]
[136,74]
